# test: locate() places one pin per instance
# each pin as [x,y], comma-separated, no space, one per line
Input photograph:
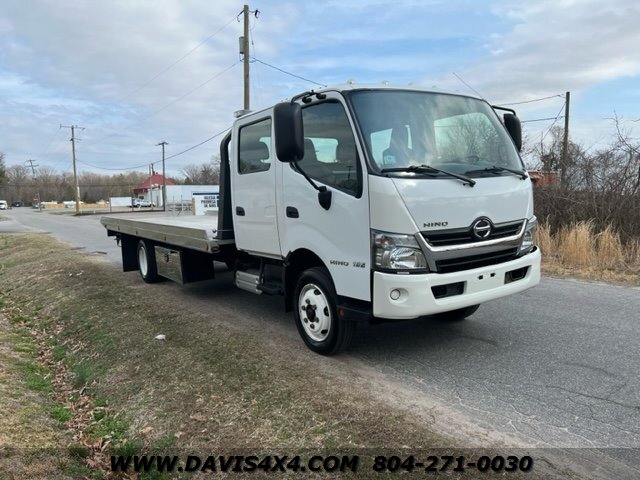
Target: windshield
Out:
[450,132]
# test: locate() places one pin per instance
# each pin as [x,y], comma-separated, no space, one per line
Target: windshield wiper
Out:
[495,169]
[428,169]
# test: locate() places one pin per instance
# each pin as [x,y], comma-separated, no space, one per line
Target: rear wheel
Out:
[316,316]
[457,315]
[147,262]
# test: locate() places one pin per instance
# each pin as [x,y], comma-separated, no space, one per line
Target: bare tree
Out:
[3,176]
[205,174]
[19,184]
[601,186]
[3,171]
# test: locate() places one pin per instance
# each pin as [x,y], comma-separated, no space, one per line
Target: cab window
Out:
[254,154]
[330,154]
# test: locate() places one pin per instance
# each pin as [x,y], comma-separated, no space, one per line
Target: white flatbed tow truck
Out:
[358,204]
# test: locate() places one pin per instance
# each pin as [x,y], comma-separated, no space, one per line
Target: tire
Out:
[457,315]
[316,316]
[147,262]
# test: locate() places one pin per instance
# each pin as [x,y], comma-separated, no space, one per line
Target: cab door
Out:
[339,235]
[254,189]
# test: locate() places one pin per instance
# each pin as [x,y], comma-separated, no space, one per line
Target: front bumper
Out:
[410,296]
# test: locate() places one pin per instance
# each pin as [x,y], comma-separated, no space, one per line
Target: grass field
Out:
[209,388]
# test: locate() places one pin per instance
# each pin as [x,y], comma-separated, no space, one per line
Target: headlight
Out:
[392,251]
[527,238]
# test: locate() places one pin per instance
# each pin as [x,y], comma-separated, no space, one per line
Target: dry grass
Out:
[579,250]
[83,206]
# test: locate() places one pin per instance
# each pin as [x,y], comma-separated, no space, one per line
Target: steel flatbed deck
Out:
[190,231]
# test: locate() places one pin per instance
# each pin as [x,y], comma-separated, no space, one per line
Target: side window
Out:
[330,154]
[254,153]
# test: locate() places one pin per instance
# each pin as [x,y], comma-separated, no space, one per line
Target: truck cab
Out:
[429,209]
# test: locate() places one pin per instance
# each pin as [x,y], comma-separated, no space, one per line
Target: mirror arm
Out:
[497,107]
[324,195]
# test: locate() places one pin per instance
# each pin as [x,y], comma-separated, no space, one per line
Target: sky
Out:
[133,73]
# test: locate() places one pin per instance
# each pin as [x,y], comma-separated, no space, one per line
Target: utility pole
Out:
[75,173]
[164,179]
[565,140]
[33,172]
[245,52]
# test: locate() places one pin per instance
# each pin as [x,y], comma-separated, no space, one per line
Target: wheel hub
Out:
[314,313]
[142,261]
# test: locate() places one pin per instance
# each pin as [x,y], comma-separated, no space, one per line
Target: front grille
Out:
[460,236]
[475,261]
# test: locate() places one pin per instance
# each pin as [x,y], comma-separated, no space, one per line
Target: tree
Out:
[45,182]
[3,171]
[601,186]
[19,183]
[205,174]
[3,176]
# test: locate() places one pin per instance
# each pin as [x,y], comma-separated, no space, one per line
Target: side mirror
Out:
[289,135]
[324,197]
[514,127]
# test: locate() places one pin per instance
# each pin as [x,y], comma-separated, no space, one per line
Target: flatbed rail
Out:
[193,232]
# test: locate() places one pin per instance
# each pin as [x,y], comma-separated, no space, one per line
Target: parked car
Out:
[16,204]
[138,203]
[4,205]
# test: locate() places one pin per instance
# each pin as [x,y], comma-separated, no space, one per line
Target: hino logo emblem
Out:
[435,224]
[481,228]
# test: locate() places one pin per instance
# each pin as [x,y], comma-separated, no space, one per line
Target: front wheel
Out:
[316,315]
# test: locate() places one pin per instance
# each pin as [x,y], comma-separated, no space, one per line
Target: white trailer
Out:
[358,204]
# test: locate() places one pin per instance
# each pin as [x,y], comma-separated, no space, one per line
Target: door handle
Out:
[240,211]
[292,212]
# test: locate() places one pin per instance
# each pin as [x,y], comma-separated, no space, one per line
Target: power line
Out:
[142,119]
[178,60]
[542,119]
[554,122]
[50,144]
[107,168]
[158,161]
[531,101]
[199,144]
[468,86]
[193,90]
[287,73]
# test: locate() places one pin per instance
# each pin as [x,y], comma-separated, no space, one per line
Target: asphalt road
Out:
[84,232]
[556,366]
